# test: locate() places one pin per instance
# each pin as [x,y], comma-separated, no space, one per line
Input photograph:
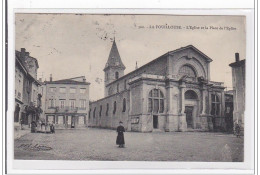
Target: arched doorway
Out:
[191,108]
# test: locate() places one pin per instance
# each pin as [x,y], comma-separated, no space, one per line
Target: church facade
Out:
[171,93]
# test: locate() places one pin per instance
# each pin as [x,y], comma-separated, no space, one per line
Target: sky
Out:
[71,45]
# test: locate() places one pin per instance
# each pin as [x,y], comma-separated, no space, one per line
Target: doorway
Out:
[155,121]
[189,118]
[73,121]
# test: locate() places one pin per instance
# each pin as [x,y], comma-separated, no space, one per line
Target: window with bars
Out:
[156,101]
[215,105]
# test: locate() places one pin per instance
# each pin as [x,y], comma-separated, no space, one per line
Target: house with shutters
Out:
[26,87]
[66,102]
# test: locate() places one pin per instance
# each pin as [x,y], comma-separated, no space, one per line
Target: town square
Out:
[102,92]
[99,144]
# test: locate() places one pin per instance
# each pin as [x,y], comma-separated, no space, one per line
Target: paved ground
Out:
[19,133]
[99,144]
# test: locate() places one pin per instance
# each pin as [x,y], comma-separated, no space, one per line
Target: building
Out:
[238,80]
[171,93]
[66,102]
[26,86]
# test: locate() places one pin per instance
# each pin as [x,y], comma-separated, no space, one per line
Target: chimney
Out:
[136,67]
[50,77]
[22,53]
[237,57]
[27,54]
[40,79]
[84,79]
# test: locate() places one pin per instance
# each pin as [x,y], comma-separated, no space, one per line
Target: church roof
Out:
[114,59]
[208,59]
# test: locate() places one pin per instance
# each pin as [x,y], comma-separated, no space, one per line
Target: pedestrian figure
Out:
[52,127]
[39,129]
[120,137]
[237,130]
[47,127]
[21,122]
[33,127]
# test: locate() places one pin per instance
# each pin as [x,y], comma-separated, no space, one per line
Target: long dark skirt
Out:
[120,139]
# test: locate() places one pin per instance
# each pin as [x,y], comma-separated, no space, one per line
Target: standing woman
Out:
[120,137]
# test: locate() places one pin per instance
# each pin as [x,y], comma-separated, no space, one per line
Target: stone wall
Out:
[108,118]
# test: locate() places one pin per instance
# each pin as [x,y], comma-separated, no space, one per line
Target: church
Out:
[171,93]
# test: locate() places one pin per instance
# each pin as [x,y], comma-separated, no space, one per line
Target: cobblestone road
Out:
[99,144]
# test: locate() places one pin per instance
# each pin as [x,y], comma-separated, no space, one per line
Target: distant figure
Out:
[39,127]
[33,127]
[120,137]
[52,127]
[21,122]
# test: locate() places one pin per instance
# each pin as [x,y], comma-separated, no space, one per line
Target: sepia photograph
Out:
[129,87]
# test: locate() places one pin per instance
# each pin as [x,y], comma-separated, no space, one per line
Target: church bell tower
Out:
[114,68]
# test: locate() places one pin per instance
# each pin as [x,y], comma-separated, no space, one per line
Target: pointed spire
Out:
[114,59]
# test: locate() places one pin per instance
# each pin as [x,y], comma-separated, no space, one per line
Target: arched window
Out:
[117,87]
[89,114]
[116,75]
[100,111]
[156,101]
[190,95]
[215,105]
[107,109]
[110,91]
[125,84]
[114,111]
[187,70]
[124,105]
[94,113]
